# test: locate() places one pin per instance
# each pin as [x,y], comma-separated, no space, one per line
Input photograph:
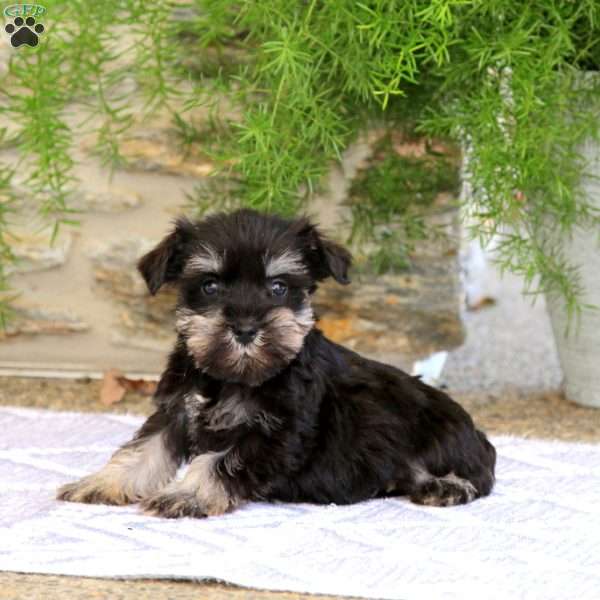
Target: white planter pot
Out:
[579,351]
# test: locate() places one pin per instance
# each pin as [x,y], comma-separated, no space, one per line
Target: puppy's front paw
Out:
[174,505]
[93,490]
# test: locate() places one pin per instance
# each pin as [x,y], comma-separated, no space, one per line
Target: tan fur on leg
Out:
[135,471]
[199,494]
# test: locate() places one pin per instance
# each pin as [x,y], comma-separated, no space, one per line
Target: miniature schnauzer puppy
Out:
[263,406]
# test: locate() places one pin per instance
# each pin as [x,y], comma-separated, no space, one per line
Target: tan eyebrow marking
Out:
[289,263]
[207,262]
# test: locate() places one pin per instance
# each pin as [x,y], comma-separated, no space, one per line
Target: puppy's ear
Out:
[325,257]
[165,263]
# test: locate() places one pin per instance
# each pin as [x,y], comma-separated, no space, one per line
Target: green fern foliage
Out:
[301,79]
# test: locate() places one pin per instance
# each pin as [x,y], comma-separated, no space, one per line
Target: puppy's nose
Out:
[244,334]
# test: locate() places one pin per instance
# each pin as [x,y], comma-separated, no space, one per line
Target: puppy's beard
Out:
[217,352]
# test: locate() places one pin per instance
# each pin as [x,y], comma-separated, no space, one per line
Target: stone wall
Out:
[84,309]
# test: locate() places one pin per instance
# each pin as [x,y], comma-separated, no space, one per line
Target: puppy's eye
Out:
[279,288]
[210,287]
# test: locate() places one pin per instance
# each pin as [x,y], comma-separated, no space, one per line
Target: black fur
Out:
[323,425]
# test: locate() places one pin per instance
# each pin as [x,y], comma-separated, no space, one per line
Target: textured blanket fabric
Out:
[537,536]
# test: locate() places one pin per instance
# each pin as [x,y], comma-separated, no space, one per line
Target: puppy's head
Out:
[245,280]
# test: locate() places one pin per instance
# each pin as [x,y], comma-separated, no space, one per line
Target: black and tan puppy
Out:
[263,406]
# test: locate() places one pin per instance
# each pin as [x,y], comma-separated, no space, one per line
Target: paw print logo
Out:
[24,31]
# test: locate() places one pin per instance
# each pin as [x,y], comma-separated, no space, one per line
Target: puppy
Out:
[262,406]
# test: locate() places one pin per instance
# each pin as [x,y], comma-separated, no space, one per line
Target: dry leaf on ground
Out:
[115,384]
[112,391]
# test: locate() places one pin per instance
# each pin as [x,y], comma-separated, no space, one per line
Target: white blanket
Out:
[536,537]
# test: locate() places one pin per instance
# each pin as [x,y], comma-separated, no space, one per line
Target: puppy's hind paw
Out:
[449,490]
[173,505]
